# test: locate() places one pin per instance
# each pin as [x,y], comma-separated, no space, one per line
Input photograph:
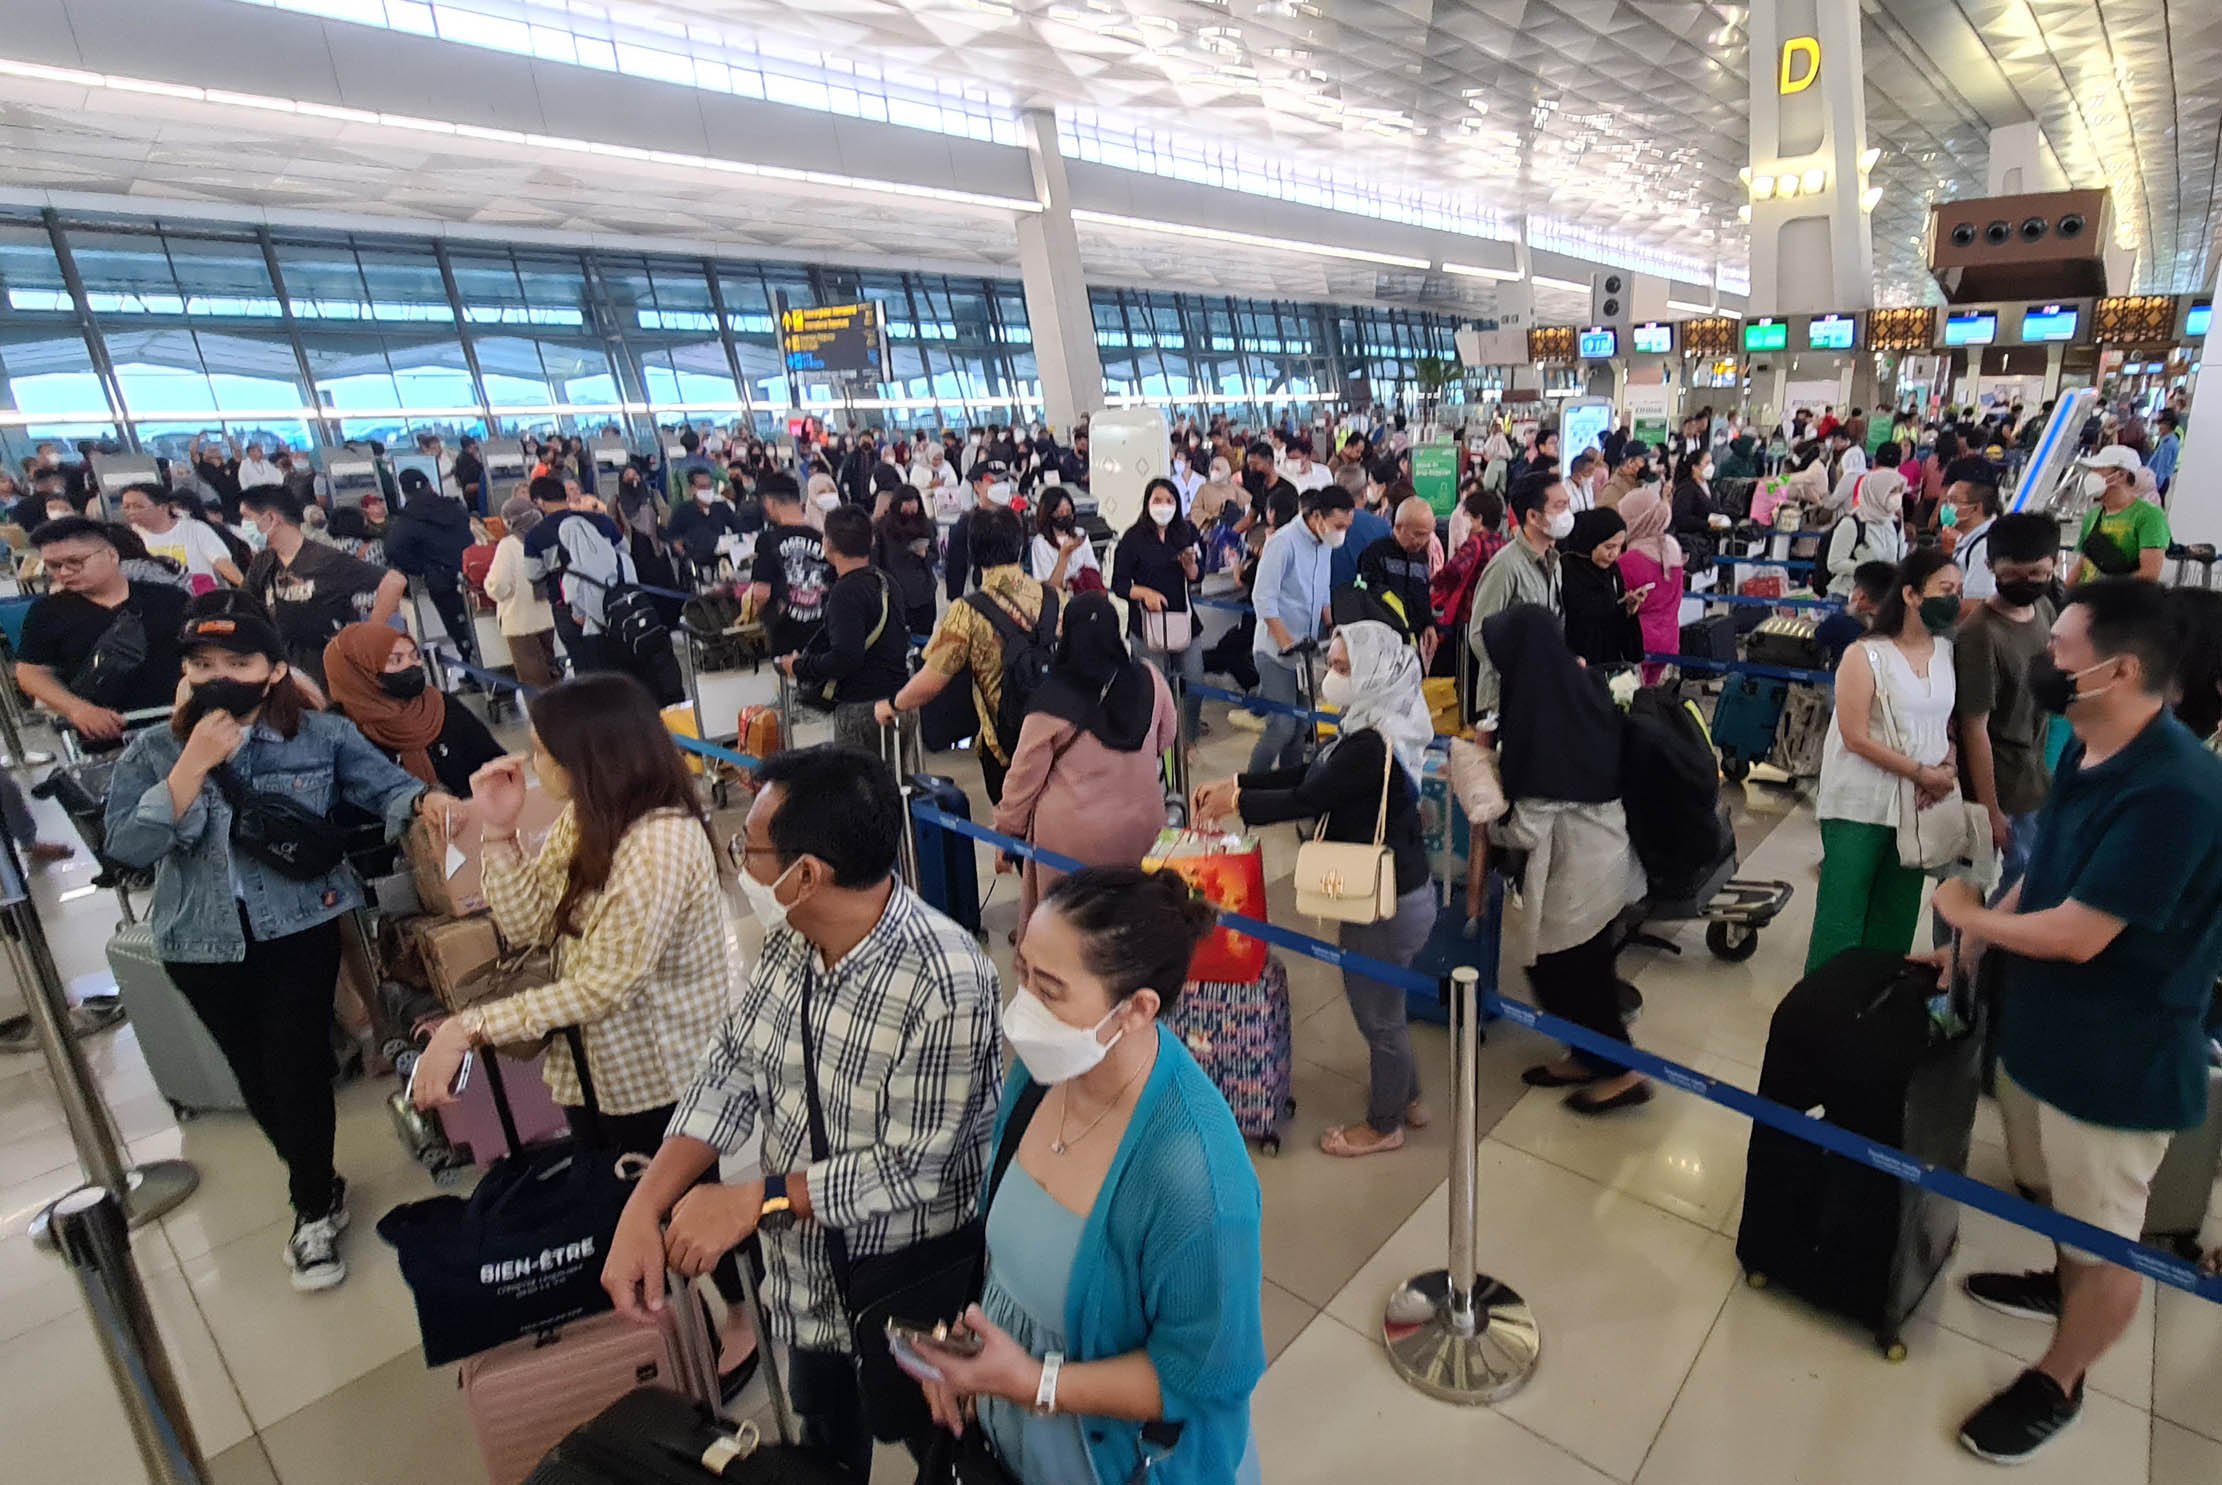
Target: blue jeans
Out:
[1189,665]
[1282,745]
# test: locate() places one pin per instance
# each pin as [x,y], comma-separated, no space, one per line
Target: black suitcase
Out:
[1711,638]
[948,868]
[1855,1043]
[1784,640]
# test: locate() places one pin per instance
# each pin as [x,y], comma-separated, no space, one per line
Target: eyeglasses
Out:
[65,566]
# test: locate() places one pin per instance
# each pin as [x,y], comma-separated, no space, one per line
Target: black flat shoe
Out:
[1541,1076]
[1630,1097]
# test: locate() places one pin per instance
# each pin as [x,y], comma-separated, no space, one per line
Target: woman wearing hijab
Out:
[1084,778]
[641,514]
[1651,571]
[1601,624]
[1558,750]
[903,548]
[1374,676]
[376,679]
[1867,530]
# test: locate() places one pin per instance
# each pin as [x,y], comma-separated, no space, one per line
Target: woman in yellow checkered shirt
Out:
[626,887]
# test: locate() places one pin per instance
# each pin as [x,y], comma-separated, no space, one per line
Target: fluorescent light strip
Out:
[1247,239]
[1545,281]
[1704,309]
[1469,270]
[39,72]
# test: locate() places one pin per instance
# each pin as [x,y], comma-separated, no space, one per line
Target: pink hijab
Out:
[1647,516]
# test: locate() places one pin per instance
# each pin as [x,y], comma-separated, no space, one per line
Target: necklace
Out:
[1061,1144]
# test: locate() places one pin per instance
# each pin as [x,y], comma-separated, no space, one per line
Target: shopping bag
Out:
[1229,871]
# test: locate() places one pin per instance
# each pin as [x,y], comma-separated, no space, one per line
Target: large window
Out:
[301,336]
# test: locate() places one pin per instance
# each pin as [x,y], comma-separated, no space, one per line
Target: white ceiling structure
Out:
[1609,129]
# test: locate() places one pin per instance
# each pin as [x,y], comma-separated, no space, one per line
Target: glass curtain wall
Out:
[157,333]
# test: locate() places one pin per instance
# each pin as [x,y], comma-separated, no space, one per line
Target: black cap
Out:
[240,633]
[991,469]
[1974,469]
[1634,448]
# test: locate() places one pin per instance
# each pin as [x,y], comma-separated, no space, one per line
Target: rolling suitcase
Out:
[1745,719]
[505,1107]
[1711,638]
[1786,640]
[189,1069]
[1854,1042]
[525,1396]
[1240,1035]
[1802,734]
[948,868]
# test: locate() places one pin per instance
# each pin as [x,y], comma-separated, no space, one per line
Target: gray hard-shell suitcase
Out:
[2189,1175]
[189,1069]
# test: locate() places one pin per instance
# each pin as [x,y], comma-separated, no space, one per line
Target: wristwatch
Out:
[778,1213]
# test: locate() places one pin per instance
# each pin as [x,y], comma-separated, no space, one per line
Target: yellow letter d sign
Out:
[1801,63]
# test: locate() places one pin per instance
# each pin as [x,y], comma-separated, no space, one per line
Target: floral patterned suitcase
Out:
[1239,1033]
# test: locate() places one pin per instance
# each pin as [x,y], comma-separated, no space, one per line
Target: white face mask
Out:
[1054,1051]
[763,898]
[1560,526]
[2092,485]
[1335,536]
[1162,514]
[829,501]
[704,496]
[1001,492]
[1334,690]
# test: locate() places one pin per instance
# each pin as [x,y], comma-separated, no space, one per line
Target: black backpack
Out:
[631,623]
[1027,655]
[1821,573]
[1670,788]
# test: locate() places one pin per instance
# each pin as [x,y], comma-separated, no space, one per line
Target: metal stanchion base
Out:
[1436,1355]
[150,1190]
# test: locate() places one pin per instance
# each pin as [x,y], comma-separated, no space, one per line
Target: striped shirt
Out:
[907,1030]
[646,976]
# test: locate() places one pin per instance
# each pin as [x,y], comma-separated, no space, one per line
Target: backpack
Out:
[588,554]
[1821,573]
[1670,789]
[631,623]
[1027,654]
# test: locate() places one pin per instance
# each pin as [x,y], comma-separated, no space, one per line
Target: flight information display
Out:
[1600,343]
[1978,328]
[838,339]
[1653,339]
[2049,322]
[1831,332]
[2195,322]
[1767,335]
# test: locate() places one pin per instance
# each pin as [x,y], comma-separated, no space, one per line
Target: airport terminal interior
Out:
[1725,252]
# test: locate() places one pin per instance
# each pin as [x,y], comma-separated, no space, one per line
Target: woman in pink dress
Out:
[1652,565]
[1084,779]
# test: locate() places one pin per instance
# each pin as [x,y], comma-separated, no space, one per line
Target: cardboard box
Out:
[452,950]
[447,871]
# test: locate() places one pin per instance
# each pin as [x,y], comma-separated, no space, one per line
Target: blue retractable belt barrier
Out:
[1232,605]
[2152,1263]
[1754,600]
[1744,667]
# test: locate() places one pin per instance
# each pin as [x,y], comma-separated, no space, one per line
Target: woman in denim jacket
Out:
[257,953]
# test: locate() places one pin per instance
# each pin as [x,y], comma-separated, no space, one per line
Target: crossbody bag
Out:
[279,832]
[1347,881]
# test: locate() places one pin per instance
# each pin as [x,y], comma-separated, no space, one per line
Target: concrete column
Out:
[2021,162]
[2195,496]
[1811,251]
[1056,292]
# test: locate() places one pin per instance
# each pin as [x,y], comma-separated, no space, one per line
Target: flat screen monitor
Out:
[1600,343]
[1654,339]
[2195,320]
[1767,335]
[2041,322]
[1978,327]
[1831,332]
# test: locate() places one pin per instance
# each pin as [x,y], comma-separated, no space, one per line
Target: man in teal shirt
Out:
[2114,938]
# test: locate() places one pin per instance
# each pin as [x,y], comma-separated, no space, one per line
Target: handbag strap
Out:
[1380,819]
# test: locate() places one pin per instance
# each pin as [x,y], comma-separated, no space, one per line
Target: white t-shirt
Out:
[190,544]
[1314,478]
[1045,559]
[253,472]
[1973,553]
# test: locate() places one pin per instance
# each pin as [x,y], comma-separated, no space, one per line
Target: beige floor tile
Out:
[1782,1394]
[242,1186]
[23,1200]
[59,1411]
[1624,1294]
[35,1287]
[399,1422]
[1987,1243]
[1680,1153]
[1285,1318]
[2187,1362]
[287,1349]
[2181,1457]
[1332,1410]
[30,1156]
[244,1463]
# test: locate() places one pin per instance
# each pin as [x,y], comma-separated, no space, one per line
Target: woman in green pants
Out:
[1866,899]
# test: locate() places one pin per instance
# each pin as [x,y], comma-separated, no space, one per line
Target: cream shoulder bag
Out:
[1343,880]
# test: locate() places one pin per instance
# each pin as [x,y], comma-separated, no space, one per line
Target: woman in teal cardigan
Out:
[1123,1259]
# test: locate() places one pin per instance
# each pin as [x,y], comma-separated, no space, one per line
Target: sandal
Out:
[1336,1142]
[1417,1116]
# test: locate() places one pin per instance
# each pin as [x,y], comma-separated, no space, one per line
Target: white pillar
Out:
[1811,251]
[1057,310]
[2195,496]
[2021,163]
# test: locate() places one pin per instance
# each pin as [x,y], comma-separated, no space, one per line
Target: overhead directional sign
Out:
[836,339]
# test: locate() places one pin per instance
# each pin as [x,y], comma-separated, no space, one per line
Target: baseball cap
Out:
[240,633]
[2113,456]
[1634,448]
[991,469]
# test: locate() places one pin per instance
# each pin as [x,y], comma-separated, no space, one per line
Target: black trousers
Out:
[272,1018]
[830,1409]
[445,591]
[992,772]
[1578,985]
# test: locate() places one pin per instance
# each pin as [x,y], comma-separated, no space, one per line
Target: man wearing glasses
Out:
[98,644]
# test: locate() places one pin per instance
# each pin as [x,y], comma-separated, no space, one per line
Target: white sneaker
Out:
[311,1255]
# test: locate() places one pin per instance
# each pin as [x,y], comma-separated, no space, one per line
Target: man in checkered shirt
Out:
[904,1011]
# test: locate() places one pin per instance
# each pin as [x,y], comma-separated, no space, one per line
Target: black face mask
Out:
[1256,481]
[224,694]
[403,685]
[2055,689]
[2021,592]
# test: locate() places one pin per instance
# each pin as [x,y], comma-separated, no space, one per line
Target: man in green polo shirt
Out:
[2114,939]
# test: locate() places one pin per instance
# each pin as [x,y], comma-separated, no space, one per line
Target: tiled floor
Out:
[1659,1367]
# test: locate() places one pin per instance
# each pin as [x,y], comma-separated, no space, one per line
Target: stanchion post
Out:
[891,749]
[691,679]
[87,1228]
[1455,1333]
[1181,742]
[786,709]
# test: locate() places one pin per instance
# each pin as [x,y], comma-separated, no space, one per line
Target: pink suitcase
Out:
[473,1123]
[523,1398]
